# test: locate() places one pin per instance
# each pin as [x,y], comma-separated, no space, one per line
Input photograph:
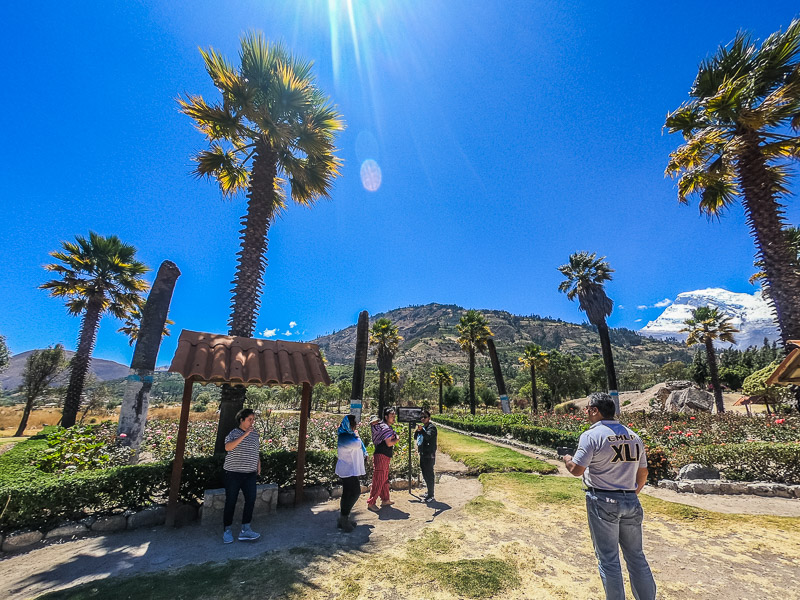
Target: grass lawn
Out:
[482,457]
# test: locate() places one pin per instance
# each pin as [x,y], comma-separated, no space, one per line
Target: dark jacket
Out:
[426,440]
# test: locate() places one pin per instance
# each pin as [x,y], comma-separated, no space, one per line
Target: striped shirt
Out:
[243,458]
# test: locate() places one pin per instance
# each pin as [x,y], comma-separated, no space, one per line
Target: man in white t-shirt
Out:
[612,461]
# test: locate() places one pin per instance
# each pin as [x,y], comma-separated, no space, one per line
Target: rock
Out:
[316,494]
[110,523]
[668,387]
[69,530]
[760,489]
[364,489]
[185,514]
[781,490]
[668,484]
[698,471]
[18,540]
[149,517]
[688,400]
[733,487]
[795,491]
[336,492]
[286,497]
[706,486]
[685,487]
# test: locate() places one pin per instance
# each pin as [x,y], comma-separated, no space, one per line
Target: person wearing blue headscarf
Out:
[349,467]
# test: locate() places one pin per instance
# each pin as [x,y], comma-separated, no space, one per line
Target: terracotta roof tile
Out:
[210,357]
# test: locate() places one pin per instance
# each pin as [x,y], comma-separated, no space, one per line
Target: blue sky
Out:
[508,135]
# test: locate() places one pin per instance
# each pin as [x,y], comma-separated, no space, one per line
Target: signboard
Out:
[409,414]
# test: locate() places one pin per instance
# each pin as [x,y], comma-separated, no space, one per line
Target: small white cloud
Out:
[292,324]
[662,303]
[637,321]
[620,307]
[269,332]
[287,332]
[642,307]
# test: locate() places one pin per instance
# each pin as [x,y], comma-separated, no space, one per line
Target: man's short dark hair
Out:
[388,411]
[604,404]
[426,413]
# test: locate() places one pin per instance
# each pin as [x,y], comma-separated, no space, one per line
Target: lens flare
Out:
[370,175]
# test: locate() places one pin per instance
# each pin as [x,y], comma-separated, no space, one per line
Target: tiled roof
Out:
[788,372]
[210,357]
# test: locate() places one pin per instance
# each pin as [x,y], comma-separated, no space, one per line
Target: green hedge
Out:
[37,499]
[750,461]
[540,436]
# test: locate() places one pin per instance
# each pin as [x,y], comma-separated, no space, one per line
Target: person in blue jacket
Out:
[351,453]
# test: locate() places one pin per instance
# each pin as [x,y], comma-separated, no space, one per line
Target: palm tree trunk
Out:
[136,399]
[608,360]
[472,380]
[711,355]
[534,400]
[765,218]
[249,278]
[79,365]
[441,384]
[381,393]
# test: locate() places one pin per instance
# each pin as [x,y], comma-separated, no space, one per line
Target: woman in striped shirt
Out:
[242,468]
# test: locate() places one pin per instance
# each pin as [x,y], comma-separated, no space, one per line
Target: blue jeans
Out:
[615,521]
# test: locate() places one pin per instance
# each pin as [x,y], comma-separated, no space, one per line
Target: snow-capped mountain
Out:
[750,314]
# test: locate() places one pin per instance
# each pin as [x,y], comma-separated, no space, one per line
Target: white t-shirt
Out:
[612,455]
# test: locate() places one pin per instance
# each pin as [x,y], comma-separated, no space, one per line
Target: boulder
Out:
[110,523]
[67,530]
[668,484]
[733,487]
[689,400]
[336,492]
[795,491]
[706,486]
[697,471]
[149,517]
[685,487]
[19,540]
[760,489]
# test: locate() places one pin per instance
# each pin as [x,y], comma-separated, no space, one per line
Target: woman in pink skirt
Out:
[383,438]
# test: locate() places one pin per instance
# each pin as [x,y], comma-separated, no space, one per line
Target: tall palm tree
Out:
[473,330]
[585,275]
[704,326]
[385,341]
[441,376]
[740,127]
[534,358]
[98,275]
[272,126]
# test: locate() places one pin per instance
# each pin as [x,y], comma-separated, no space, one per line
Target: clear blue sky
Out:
[508,134]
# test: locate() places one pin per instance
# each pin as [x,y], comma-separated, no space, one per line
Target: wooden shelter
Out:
[212,358]
[788,372]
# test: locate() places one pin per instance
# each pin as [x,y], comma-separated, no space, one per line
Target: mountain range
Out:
[103,370]
[749,313]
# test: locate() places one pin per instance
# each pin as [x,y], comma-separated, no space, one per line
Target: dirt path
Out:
[65,564]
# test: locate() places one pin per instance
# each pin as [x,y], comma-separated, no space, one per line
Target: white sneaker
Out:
[248,535]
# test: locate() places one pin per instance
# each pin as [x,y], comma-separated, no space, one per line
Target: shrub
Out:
[753,461]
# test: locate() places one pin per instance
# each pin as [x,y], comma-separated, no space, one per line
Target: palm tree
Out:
[585,275]
[534,358]
[740,129]
[706,325]
[98,275]
[473,330]
[441,376]
[273,126]
[132,325]
[385,341]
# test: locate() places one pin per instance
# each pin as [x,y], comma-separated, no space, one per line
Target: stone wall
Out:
[719,486]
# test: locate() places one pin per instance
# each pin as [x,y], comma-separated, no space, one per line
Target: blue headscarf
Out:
[347,435]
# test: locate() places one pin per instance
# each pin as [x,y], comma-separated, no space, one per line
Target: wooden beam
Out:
[180,449]
[305,404]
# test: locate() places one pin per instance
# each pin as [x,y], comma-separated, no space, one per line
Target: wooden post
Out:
[180,449]
[301,444]
[409,458]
